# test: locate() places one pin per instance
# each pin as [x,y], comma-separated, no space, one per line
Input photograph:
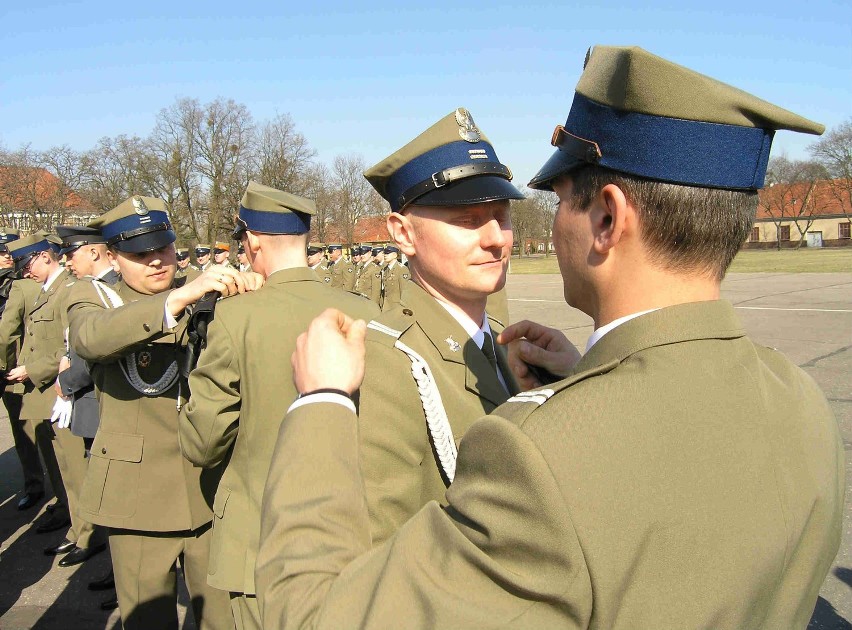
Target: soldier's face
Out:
[313,259]
[80,262]
[183,263]
[573,241]
[6,261]
[242,258]
[220,257]
[148,272]
[334,255]
[462,252]
[379,259]
[203,259]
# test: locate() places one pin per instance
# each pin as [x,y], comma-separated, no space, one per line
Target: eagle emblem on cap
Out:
[139,206]
[467,128]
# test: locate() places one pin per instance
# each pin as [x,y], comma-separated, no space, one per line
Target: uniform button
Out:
[407,311]
[103,451]
[146,327]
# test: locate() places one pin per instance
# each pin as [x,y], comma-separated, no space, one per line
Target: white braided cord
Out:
[111,299]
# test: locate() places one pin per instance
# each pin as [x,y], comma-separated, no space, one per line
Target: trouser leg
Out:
[246,611]
[23,433]
[73,464]
[211,606]
[144,565]
[46,440]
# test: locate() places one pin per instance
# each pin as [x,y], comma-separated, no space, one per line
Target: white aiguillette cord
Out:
[111,299]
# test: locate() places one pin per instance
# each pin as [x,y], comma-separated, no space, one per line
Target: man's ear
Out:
[252,242]
[612,217]
[401,232]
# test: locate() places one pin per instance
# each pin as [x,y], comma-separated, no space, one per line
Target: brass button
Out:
[146,327]
[103,451]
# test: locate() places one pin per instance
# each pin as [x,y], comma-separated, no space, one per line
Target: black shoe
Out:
[30,499]
[110,604]
[53,523]
[66,546]
[103,584]
[76,556]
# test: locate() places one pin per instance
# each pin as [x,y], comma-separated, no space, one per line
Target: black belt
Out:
[449,175]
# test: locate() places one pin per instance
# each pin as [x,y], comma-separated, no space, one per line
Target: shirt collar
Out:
[50,280]
[600,332]
[474,331]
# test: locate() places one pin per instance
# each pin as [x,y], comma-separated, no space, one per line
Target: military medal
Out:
[454,345]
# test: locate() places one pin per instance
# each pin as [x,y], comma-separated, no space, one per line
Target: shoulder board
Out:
[520,406]
[389,327]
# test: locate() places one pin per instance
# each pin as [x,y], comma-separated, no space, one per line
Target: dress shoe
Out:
[53,523]
[102,584]
[30,499]
[110,604]
[76,556]
[66,546]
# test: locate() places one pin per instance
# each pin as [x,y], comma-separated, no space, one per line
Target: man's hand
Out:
[18,375]
[61,415]
[64,364]
[330,354]
[533,344]
[225,280]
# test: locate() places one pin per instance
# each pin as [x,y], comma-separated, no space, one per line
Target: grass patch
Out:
[814,260]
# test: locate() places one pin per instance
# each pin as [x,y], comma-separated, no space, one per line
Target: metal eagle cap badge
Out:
[454,345]
[139,206]
[468,130]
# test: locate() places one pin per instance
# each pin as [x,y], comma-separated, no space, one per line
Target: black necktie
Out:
[488,350]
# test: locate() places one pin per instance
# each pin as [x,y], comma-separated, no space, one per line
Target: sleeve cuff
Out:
[169,320]
[324,397]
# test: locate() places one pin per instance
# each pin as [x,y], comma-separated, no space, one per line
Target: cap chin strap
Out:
[450,175]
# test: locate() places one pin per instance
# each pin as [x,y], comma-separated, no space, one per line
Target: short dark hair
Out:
[686,228]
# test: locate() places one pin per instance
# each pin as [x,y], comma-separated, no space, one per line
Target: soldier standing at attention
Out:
[222,253]
[23,432]
[183,266]
[369,282]
[202,257]
[681,476]
[156,505]
[341,270]
[236,402]
[394,277]
[316,261]
[242,259]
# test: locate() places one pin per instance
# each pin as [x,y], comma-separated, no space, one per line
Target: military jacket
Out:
[398,453]
[394,278]
[241,388]
[137,477]
[322,273]
[681,477]
[190,273]
[43,345]
[22,295]
[369,283]
[342,274]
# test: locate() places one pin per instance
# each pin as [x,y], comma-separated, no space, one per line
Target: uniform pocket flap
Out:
[126,447]
[222,495]
[46,316]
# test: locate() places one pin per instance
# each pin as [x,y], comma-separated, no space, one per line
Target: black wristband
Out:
[327,390]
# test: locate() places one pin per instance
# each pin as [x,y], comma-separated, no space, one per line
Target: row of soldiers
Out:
[339,477]
[374,272]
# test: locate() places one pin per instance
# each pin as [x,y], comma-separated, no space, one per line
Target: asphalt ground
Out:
[806,316]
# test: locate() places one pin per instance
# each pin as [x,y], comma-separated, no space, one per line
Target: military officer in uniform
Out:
[156,505]
[394,277]
[681,476]
[342,271]
[243,262]
[23,432]
[316,261]
[369,283]
[236,402]
[202,257]
[222,253]
[42,348]
[183,266]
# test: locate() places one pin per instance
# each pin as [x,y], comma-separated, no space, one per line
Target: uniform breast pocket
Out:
[112,481]
[44,326]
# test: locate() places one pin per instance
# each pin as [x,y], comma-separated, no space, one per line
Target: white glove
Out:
[62,412]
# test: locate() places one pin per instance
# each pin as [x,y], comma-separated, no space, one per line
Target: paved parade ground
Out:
[806,316]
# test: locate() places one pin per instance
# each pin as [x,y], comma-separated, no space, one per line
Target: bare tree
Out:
[284,158]
[790,194]
[352,196]
[834,152]
[524,221]
[318,187]
[114,170]
[544,203]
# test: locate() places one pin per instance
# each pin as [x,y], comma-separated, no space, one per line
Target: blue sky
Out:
[367,78]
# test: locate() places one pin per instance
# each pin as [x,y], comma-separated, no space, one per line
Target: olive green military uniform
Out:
[190,273]
[399,452]
[22,293]
[156,505]
[369,283]
[394,277]
[323,273]
[681,477]
[342,274]
[238,403]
